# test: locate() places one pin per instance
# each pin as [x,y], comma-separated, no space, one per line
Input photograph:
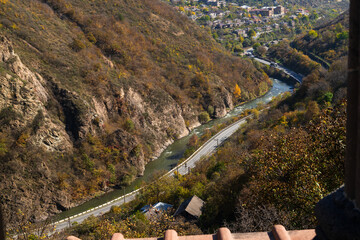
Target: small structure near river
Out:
[191,208]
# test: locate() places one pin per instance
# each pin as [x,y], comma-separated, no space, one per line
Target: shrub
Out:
[6,115]
[91,38]
[77,45]
[129,125]
[210,110]
[204,117]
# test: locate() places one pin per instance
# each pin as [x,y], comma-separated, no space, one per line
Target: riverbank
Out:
[173,153]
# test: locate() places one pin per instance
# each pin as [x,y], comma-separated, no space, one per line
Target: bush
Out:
[6,115]
[204,117]
[129,125]
[77,45]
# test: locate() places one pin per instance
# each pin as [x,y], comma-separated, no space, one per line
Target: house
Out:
[212,2]
[191,208]
[245,7]
[153,210]
[240,32]
[302,12]
[221,4]
[193,17]
[267,12]
[279,10]
[213,15]
[264,12]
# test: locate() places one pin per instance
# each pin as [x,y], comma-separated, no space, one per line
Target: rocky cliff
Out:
[91,92]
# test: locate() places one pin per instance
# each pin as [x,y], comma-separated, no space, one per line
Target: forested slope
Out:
[328,41]
[92,90]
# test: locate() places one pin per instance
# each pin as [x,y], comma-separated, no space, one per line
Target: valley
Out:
[99,98]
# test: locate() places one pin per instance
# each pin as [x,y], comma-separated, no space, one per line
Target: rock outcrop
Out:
[24,96]
[45,116]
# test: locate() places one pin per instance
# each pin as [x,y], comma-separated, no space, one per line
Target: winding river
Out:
[174,152]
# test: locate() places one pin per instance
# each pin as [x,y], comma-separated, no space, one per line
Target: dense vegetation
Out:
[269,172]
[327,42]
[291,58]
[92,53]
[273,171]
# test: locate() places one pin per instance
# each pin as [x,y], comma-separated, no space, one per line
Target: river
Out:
[174,152]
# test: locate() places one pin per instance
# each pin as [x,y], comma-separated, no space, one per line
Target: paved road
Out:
[298,77]
[206,149]
[97,211]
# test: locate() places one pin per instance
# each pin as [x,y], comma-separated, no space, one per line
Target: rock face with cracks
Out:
[91,91]
[25,97]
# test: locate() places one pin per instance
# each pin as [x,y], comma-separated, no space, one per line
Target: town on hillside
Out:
[239,26]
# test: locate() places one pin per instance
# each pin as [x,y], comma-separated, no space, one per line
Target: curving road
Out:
[206,149]
[298,77]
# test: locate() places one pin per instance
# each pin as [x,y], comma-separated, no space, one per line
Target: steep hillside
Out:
[93,90]
[328,42]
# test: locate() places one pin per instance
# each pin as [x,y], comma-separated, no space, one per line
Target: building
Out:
[302,12]
[157,208]
[216,3]
[267,12]
[264,12]
[190,208]
[246,7]
[212,2]
[279,10]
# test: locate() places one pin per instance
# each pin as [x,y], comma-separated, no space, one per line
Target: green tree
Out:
[251,33]
[256,45]
[204,117]
[129,125]
[313,34]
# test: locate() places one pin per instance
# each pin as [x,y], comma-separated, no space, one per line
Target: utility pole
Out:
[124,194]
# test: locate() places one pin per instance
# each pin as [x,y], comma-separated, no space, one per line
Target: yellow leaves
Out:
[4,1]
[237,91]
[283,121]
[14,26]
[21,141]
[124,74]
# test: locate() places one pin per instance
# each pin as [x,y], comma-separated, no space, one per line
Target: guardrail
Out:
[297,76]
[135,192]
[202,146]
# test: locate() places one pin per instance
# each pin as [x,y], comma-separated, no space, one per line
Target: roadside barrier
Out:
[120,199]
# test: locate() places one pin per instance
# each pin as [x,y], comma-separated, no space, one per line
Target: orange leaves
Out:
[237,91]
